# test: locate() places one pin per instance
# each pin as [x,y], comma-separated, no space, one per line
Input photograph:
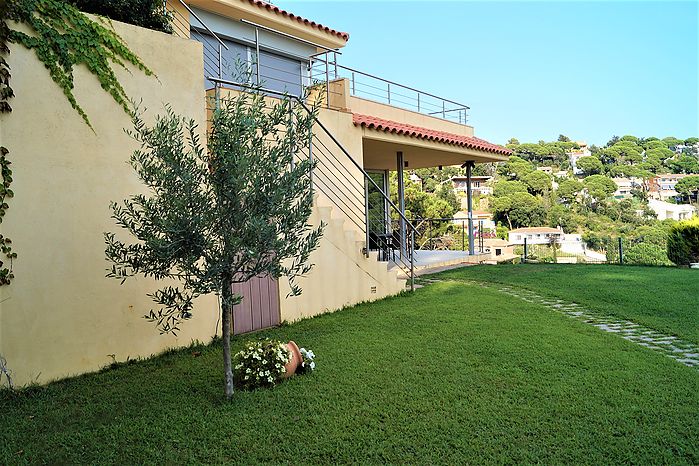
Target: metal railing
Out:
[336,174]
[325,69]
[619,251]
[322,69]
[449,234]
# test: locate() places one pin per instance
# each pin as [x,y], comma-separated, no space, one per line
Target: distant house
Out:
[624,186]
[479,218]
[415,179]
[499,249]
[662,187]
[547,170]
[535,235]
[575,154]
[666,210]
[479,184]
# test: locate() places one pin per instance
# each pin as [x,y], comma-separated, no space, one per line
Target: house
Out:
[479,184]
[534,235]
[624,186]
[575,154]
[662,187]
[666,210]
[547,170]
[68,173]
[499,249]
[483,221]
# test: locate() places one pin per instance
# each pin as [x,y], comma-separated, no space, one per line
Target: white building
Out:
[479,184]
[663,186]
[575,154]
[624,186]
[666,210]
[479,218]
[535,235]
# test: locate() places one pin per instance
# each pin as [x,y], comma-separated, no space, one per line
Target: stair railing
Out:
[335,173]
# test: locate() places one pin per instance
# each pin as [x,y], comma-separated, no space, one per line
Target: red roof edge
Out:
[269,7]
[388,126]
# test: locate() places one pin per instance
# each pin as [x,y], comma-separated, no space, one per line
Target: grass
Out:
[450,374]
[663,298]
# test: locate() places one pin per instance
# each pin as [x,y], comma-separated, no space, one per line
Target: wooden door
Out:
[260,306]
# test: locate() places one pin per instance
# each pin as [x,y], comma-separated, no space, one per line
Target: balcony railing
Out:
[324,69]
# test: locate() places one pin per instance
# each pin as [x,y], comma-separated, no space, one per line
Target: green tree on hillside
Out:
[688,187]
[590,165]
[538,182]
[519,210]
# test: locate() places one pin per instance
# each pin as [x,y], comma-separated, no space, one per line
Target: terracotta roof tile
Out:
[308,22]
[389,126]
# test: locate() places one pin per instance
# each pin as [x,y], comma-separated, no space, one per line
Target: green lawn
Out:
[453,373]
[665,299]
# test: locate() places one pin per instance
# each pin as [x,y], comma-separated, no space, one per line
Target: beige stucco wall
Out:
[61,316]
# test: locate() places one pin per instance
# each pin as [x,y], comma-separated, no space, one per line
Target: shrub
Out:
[260,364]
[683,242]
[145,13]
[645,254]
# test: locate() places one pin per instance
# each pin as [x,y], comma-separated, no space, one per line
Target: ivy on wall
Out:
[62,38]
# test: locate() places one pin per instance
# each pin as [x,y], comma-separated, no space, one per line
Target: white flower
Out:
[270,379]
[247,371]
[264,361]
[313,365]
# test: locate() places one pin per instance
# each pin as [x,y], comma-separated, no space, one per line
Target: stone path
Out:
[682,351]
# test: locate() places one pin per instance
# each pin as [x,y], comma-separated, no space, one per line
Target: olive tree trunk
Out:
[227,323]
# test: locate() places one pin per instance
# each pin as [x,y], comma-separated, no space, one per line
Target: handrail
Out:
[325,130]
[203,24]
[404,87]
[289,36]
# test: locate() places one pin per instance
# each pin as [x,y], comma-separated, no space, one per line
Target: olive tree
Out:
[217,214]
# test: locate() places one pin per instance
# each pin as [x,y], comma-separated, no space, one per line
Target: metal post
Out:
[444,110]
[429,233]
[354,90]
[257,55]
[621,252]
[292,146]
[480,237]
[526,252]
[469,197]
[366,216]
[463,235]
[310,155]
[401,202]
[412,260]
[418,101]
[327,79]
[335,62]
[388,88]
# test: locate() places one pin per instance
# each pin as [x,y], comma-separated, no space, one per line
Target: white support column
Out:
[469,197]
[401,202]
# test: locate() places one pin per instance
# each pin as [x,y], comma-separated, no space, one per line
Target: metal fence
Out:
[448,234]
[618,250]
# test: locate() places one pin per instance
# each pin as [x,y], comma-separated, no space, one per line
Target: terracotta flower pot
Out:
[295,360]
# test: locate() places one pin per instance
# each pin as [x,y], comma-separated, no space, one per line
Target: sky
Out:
[534,70]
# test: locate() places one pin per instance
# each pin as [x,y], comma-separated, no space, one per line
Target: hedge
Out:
[683,242]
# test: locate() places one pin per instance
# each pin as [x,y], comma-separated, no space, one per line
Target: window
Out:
[277,72]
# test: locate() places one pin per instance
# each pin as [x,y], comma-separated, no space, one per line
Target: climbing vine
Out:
[62,38]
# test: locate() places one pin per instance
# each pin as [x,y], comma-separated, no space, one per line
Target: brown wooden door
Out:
[260,306]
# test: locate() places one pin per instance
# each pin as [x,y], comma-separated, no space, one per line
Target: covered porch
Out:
[392,146]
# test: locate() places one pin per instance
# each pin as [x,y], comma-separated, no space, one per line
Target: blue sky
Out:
[533,70]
